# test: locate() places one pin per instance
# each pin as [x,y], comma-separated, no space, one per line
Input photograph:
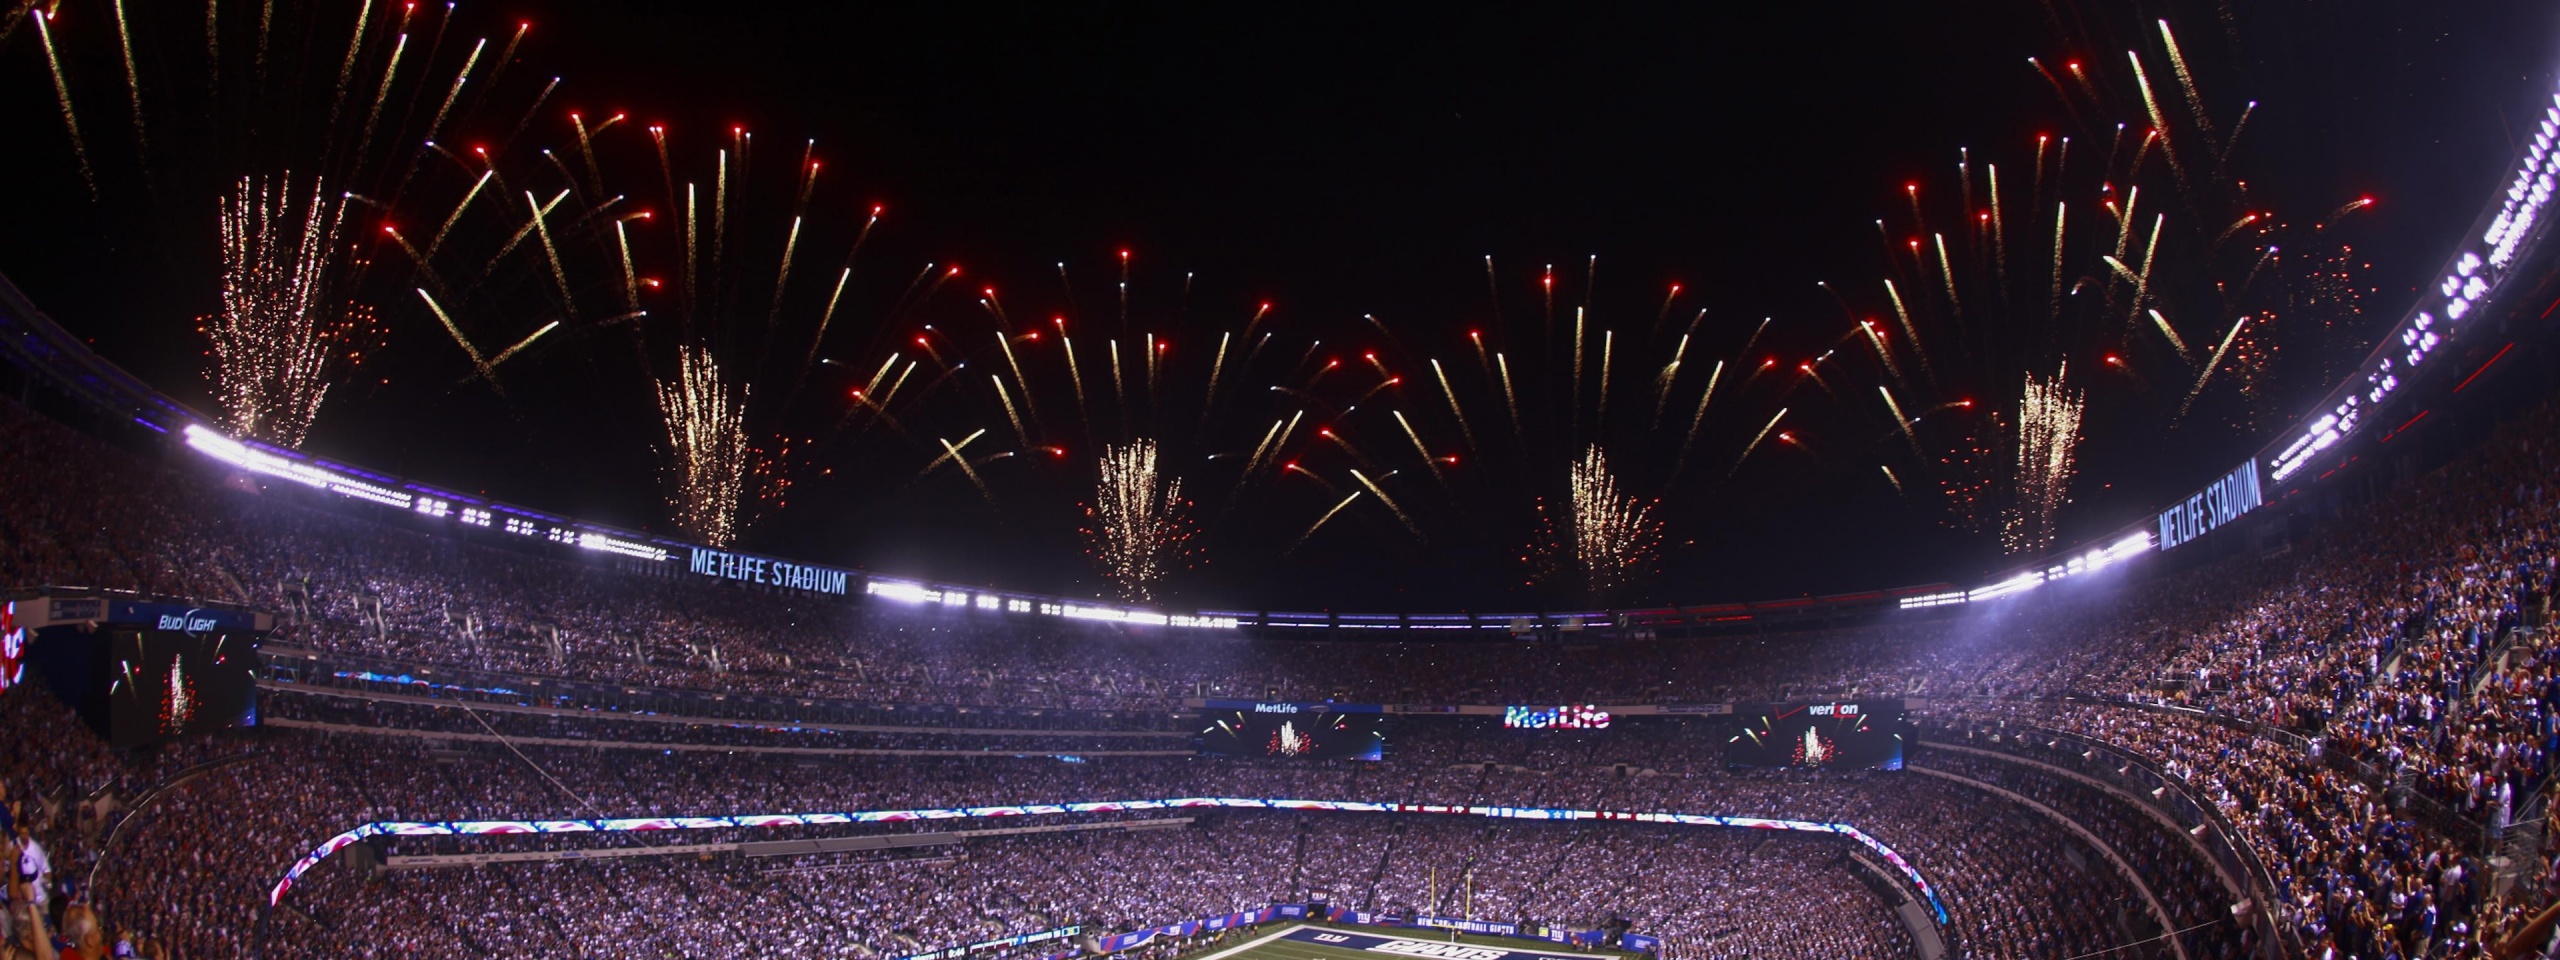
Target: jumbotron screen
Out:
[1303,732]
[1849,736]
[165,684]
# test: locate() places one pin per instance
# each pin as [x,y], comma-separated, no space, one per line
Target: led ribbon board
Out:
[450,828]
[2479,267]
[2219,503]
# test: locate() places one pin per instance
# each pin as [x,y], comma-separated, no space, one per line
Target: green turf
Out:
[1266,943]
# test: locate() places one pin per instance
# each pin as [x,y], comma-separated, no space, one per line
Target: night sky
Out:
[1336,164]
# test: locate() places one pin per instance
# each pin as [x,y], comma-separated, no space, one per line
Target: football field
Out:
[1311,942]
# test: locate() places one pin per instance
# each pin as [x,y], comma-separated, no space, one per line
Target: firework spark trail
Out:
[952,451]
[1663,312]
[372,117]
[2159,122]
[1898,419]
[2058,92]
[1217,364]
[2061,213]
[1662,381]
[1811,371]
[276,340]
[2049,416]
[1075,376]
[454,92]
[2124,219]
[1429,462]
[347,67]
[433,244]
[2142,153]
[2172,333]
[878,375]
[62,93]
[551,253]
[1154,360]
[2233,229]
[539,211]
[1119,388]
[521,344]
[1883,355]
[1464,429]
[827,316]
[132,84]
[1999,230]
[2187,82]
[2081,77]
[1510,400]
[1614,536]
[2210,365]
[2142,281]
[1755,440]
[706,429]
[720,206]
[1287,432]
[1608,343]
[1004,345]
[477,362]
[587,151]
[2242,124]
[1964,181]
[692,255]
[1381,494]
[1337,439]
[782,276]
[1890,478]
[630,279]
[1697,419]
[1254,460]
[1020,435]
[1947,272]
[892,393]
[1901,315]
[1268,451]
[1141,531]
[1328,515]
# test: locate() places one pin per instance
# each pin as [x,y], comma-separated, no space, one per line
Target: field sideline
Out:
[1324,941]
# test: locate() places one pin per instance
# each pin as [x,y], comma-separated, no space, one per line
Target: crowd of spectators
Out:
[2372,708]
[195,870]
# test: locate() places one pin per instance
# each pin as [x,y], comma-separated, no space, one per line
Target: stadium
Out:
[2169,608]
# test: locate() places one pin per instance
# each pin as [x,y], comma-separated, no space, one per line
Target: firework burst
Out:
[1139,528]
[282,335]
[1607,539]
[2048,449]
[707,450]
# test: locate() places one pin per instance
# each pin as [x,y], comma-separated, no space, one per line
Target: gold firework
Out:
[281,336]
[1607,538]
[707,451]
[1140,531]
[2048,449]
